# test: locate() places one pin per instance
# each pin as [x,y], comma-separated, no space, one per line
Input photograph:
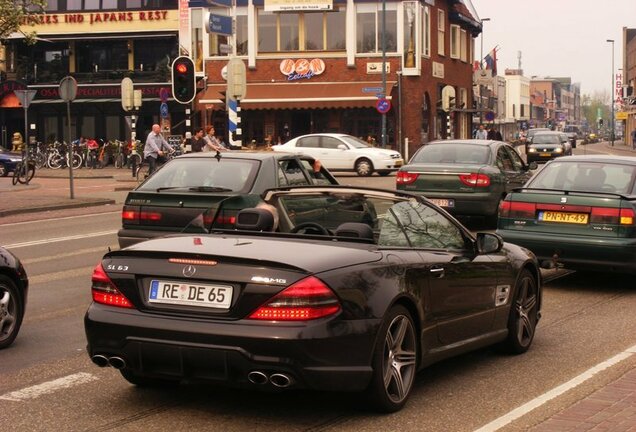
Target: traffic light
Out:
[183,80]
[600,122]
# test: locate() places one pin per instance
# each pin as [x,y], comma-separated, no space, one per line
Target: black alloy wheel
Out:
[11,311]
[394,361]
[524,314]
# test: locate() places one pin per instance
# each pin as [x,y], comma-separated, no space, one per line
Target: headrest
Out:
[254,219]
[354,229]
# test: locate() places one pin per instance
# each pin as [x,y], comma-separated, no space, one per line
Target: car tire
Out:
[3,171]
[364,167]
[11,311]
[394,361]
[384,173]
[144,381]
[524,314]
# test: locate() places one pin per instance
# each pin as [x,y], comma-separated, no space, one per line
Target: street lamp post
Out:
[481,67]
[612,91]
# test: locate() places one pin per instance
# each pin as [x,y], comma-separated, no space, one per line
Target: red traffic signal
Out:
[183,80]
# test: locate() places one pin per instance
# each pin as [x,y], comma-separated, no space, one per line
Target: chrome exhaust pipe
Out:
[280,380]
[100,360]
[257,377]
[117,362]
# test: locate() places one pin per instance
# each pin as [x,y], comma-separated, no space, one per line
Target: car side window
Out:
[414,224]
[517,162]
[290,173]
[310,141]
[330,143]
[503,160]
[317,178]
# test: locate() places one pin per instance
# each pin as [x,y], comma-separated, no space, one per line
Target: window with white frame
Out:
[441,32]
[315,31]
[463,46]
[369,28]
[426,32]
[454,41]
[196,29]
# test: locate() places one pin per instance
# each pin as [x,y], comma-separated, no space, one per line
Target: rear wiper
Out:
[209,189]
[168,188]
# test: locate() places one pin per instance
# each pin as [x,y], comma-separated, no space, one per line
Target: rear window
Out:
[235,174]
[452,153]
[586,176]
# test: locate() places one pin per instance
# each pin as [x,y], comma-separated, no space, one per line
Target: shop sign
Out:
[96,17]
[301,68]
[438,70]
[92,92]
[9,86]
[297,5]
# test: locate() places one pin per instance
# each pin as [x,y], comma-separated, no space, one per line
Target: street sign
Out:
[164,94]
[489,116]
[226,3]
[25,97]
[68,89]
[372,90]
[220,24]
[383,106]
[127,89]
[163,110]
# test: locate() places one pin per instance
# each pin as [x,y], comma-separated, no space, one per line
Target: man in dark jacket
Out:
[197,141]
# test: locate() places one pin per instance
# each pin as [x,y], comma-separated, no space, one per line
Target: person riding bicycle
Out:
[154,148]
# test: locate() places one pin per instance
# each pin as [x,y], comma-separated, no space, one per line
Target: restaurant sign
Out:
[95,92]
[301,68]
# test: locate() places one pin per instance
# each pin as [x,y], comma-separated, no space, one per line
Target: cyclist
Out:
[154,148]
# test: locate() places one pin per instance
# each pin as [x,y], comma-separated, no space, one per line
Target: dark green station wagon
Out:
[187,186]
[465,177]
[577,212]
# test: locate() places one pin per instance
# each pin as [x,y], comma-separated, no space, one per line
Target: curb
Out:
[49,207]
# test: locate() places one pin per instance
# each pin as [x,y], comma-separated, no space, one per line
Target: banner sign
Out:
[297,5]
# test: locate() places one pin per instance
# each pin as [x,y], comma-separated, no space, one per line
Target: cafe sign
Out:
[301,68]
[52,23]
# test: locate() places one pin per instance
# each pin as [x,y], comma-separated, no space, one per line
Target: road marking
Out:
[49,387]
[59,239]
[69,254]
[557,391]
[62,218]
[61,275]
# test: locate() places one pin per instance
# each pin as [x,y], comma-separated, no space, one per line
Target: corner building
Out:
[317,67]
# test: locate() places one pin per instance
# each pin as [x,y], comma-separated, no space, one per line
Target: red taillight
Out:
[305,300]
[133,214]
[104,290]
[405,177]
[517,210]
[474,179]
[614,216]
[226,220]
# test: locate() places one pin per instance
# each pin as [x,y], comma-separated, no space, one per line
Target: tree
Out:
[591,104]
[13,15]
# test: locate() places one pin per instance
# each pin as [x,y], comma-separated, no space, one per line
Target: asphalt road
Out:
[48,383]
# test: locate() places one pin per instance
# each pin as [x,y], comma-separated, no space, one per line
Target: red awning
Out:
[303,95]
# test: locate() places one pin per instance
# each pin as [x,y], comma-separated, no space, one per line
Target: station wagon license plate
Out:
[563,217]
[186,294]
[545,154]
[442,202]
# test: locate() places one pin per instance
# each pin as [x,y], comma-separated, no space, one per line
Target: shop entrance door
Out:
[300,123]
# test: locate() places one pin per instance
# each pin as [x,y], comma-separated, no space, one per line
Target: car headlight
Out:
[395,156]
[15,159]
[558,150]
[532,150]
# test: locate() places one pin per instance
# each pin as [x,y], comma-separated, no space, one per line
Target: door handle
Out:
[437,272]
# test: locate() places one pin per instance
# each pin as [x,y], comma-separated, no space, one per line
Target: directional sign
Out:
[383,106]
[372,89]
[220,24]
[163,110]
[489,116]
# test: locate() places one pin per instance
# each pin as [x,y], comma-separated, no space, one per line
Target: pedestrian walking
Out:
[481,133]
[154,148]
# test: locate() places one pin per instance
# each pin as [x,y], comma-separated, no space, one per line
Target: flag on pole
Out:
[491,61]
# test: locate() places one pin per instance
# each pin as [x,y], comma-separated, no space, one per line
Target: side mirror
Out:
[342,147]
[533,166]
[488,243]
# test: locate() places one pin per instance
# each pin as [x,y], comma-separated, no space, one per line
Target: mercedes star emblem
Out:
[189,270]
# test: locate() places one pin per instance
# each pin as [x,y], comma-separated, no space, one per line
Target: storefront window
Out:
[335,29]
[155,55]
[241,34]
[288,24]
[95,56]
[314,24]
[369,28]
[267,35]
[196,22]
[46,62]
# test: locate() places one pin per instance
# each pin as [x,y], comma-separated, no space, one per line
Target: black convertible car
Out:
[330,288]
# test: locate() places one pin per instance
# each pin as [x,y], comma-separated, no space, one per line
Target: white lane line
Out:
[60,218]
[49,387]
[557,391]
[59,239]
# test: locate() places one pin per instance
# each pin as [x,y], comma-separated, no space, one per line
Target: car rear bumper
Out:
[577,252]
[469,204]
[314,356]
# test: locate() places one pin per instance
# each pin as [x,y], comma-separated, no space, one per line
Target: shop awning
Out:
[303,95]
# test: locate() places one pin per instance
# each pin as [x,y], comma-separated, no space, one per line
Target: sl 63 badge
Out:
[117,267]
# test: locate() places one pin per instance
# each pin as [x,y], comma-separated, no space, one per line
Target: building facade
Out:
[321,70]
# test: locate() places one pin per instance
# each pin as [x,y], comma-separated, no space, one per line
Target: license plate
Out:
[562,217]
[399,162]
[545,155]
[442,202]
[190,294]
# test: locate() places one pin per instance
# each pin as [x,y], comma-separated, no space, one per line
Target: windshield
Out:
[355,142]
[586,176]
[546,139]
[453,153]
[204,174]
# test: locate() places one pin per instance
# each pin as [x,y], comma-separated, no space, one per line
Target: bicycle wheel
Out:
[55,161]
[77,161]
[26,174]
[119,161]
[40,160]
[16,174]
[142,172]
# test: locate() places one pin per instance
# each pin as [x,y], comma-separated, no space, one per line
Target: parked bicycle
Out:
[23,172]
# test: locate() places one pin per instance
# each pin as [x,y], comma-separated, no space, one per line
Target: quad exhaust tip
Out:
[279,380]
[117,362]
[100,360]
[257,377]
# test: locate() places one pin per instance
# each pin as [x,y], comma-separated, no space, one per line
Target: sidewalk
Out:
[50,190]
